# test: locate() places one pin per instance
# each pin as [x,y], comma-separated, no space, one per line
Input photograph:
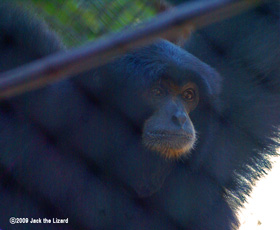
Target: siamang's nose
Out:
[179,118]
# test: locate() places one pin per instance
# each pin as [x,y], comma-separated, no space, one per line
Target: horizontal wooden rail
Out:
[168,24]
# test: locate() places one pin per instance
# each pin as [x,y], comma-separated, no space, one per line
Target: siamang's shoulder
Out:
[22,32]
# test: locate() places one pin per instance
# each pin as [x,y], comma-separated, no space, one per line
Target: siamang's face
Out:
[158,87]
[170,130]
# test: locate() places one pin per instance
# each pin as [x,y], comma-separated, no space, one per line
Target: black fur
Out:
[74,149]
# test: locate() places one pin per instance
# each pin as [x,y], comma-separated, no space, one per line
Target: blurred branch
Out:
[162,5]
[168,25]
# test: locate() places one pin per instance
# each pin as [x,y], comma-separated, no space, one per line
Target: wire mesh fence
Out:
[79,21]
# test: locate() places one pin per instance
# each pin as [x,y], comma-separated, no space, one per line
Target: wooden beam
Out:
[168,25]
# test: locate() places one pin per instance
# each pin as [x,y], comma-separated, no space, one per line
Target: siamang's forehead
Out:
[163,57]
[147,64]
[179,76]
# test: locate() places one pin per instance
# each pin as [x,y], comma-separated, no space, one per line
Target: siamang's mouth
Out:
[171,144]
[171,135]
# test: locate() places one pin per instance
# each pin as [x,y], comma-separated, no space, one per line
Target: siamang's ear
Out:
[212,82]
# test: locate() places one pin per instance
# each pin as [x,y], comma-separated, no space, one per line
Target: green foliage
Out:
[78,21]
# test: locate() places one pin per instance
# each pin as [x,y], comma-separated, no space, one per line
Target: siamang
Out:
[155,139]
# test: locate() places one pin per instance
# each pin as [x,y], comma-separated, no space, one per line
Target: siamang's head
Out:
[162,89]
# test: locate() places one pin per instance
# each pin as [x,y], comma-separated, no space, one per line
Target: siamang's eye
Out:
[157,91]
[189,94]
